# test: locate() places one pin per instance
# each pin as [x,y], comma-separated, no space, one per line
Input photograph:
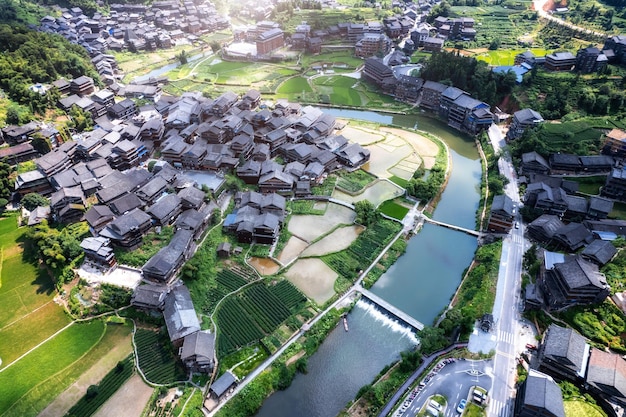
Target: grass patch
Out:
[401,182]
[473,410]
[26,333]
[47,360]
[304,207]
[151,244]
[507,57]
[393,209]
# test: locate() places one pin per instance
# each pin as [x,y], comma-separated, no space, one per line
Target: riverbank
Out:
[282,372]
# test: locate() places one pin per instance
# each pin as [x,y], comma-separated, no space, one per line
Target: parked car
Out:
[530,347]
[461,407]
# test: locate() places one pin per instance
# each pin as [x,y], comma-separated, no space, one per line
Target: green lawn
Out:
[38,398]
[393,209]
[582,409]
[47,360]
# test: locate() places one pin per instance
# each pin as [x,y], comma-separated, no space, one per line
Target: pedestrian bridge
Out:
[393,311]
[451,226]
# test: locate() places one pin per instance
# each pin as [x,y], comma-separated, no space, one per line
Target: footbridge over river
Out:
[390,309]
[453,227]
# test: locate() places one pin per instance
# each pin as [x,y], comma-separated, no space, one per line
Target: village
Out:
[238,162]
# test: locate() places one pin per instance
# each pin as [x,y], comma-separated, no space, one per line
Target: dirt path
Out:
[62,404]
[128,401]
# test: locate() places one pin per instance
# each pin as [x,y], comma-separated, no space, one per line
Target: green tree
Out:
[6,181]
[3,204]
[81,120]
[432,339]
[366,213]
[215,46]
[302,365]
[33,200]
[40,143]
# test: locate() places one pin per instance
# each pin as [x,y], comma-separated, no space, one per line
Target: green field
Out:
[507,57]
[340,89]
[295,85]
[28,315]
[589,185]
[355,181]
[255,312]
[43,363]
[393,209]
[619,211]
[31,404]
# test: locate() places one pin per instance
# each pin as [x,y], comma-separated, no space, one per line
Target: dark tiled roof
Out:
[566,346]
[180,316]
[541,392]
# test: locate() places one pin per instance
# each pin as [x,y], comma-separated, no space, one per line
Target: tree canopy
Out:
[33,200]
[469,75]
[29,57]
[366,213]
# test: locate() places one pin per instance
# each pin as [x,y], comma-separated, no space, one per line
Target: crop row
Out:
[229,280]
[111,382]
[157,363]
[236,324]
[267,303]
[288,294]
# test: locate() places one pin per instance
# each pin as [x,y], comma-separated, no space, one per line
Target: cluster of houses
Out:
[136,27]
[571,223]
[101,177]
[587,60]
[372,38]
[457,107]
[564,355]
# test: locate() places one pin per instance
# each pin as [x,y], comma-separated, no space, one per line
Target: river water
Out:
[420,283]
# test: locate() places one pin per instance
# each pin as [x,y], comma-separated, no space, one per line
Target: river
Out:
[420,283]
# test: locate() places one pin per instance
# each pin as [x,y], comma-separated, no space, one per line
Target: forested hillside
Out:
[30,57]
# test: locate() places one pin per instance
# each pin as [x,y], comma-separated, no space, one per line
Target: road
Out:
[453,381]
[539,4]
[507,305]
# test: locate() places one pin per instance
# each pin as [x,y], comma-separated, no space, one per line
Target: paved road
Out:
[453,381]
[538,4]
[507,305]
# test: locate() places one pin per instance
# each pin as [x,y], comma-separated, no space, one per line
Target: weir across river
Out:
[390,309]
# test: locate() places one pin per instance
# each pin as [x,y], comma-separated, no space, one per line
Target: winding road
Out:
[539,7]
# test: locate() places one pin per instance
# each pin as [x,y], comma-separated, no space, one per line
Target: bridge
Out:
[453,227]
[393,311]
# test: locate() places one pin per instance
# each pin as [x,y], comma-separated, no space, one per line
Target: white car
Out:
[461,406]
